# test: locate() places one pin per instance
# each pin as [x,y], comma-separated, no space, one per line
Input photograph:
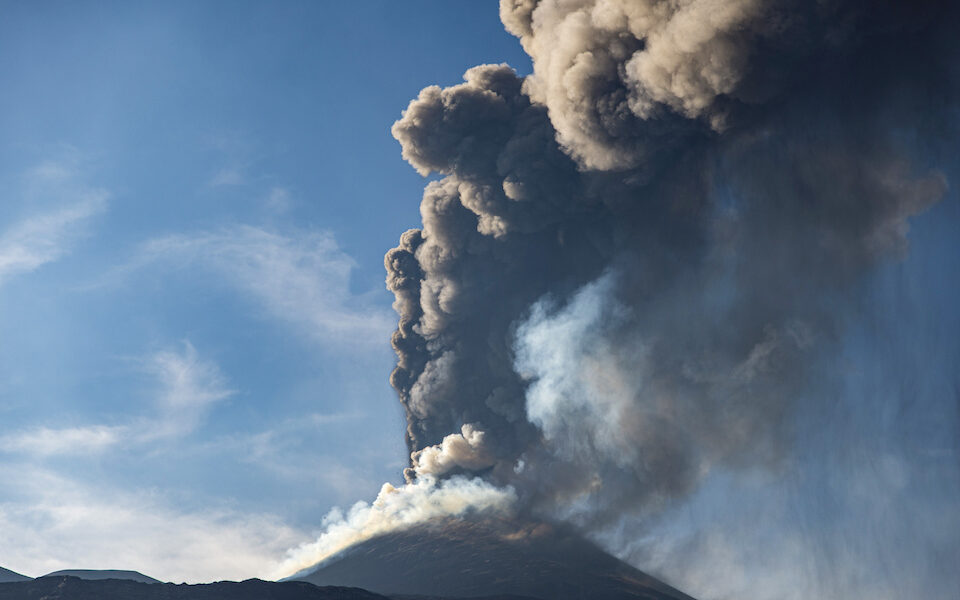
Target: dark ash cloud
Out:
[636,263]
[719,177]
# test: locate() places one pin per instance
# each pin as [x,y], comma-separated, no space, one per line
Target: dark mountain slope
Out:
[498,597]
[6,576]
[73,588]
[494,558]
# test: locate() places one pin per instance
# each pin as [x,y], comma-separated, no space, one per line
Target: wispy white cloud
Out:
[302,279]
[186,388]
[52,171]
[46,441]
[232,175]
[49,522]
[278,199]
[188,384]
[52,520]
[46,237]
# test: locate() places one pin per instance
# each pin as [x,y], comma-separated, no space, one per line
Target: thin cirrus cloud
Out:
[189,386]
[48,518]
[228,176]
[186,388]
[46,441]
[50,522]
[302,278]
[46,237]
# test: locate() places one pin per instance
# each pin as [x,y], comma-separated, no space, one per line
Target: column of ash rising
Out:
[638,255]
[636,261]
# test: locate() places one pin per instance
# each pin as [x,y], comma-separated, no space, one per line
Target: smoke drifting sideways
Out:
[636,273]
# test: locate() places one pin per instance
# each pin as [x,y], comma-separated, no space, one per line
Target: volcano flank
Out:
[490,558]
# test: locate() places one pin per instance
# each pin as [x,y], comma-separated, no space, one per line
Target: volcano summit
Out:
[468,558]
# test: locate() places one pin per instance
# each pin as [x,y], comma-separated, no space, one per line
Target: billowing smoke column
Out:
[636,265]
[636,255]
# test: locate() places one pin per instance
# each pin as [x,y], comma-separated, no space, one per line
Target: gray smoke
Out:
[637,263]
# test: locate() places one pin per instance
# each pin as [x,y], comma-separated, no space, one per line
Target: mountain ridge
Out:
[100,574]
[8,576]
[74,588]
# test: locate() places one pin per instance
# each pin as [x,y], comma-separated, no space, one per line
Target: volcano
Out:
[463,558]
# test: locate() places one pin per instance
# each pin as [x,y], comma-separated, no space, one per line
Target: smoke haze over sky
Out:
[684,276]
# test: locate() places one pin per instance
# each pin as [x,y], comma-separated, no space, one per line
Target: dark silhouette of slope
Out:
[455,558]
[96,574]
[74,588]
[7,576]
[498,597]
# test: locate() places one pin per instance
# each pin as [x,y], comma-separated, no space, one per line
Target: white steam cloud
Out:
[397,508]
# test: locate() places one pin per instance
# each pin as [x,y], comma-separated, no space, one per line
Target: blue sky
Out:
[197,198]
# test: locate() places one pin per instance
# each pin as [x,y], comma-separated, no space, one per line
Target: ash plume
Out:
[637,263]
